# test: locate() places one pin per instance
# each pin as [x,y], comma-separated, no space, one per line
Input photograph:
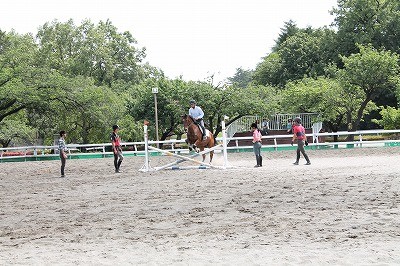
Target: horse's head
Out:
[187,120]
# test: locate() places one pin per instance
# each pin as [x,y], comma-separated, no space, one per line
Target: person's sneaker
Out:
[256,165]
[296,163]
[308,163]
[62,176]
[118,171]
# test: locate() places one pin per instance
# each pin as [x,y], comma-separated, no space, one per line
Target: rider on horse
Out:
[197,113]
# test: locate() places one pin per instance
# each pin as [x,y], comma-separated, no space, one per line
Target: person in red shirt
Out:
[116,147]
[299,134]
[257,144]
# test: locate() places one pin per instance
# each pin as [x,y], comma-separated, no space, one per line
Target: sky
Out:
[192,39]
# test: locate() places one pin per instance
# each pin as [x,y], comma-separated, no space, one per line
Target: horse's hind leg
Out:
[211,156]
[203,155]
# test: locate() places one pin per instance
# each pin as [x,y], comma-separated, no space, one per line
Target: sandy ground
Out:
[344,209]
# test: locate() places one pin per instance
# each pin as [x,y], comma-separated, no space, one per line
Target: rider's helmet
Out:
[297,120]
[192,102]
[114,127]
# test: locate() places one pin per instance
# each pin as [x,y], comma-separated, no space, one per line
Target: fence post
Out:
[225,152]
[146,148]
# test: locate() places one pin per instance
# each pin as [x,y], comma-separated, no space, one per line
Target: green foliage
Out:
[269,71]
[375,22]
[390,118]
[325,96]
[372,71]
[242,78]
[85,78]
[14,130]
[173,101]
[289,29]
[16,73]
[96,51]
[304,53]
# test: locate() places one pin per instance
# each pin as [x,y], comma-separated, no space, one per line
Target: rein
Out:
[192,121]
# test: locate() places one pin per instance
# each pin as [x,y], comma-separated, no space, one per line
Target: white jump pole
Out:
[183,160]
[146,149]
[224,144]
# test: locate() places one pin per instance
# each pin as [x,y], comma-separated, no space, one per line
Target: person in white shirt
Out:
[197,113]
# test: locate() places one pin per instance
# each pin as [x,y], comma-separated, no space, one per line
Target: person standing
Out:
[62,148]
[116,147]
[289,126]
[299,134]
[257,144]
[197,113]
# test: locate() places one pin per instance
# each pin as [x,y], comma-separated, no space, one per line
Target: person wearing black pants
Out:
[116,147]
[257,144]
[62,148]
[300,135]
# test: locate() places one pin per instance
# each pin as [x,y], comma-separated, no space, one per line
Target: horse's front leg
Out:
[192,147]
[197,144]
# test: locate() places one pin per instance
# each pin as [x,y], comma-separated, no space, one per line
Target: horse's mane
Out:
[189,116]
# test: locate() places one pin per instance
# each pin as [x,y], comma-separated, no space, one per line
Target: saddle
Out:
[197,123]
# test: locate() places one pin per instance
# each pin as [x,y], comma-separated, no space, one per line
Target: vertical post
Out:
[224,142]
[146,148]
[155,91]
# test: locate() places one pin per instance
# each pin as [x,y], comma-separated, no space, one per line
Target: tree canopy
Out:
[84,78]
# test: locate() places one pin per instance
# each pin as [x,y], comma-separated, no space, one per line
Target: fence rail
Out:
[137,148]
[273,122]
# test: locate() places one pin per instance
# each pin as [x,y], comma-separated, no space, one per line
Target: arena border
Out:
[232,149]
[320,146]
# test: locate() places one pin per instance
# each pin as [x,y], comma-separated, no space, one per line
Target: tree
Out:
[14,129]
[372,71]
[173,101]
[390,118]
[289,29]
[306,53]
[96,51]
[269,71]
[375,22]
[242,78]
[325,96]
[17,73]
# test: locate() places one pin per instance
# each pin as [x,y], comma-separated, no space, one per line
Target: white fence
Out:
[137,148]
[275,122]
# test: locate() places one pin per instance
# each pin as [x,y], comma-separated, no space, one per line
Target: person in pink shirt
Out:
[299,134]
[257,144]
[116,147]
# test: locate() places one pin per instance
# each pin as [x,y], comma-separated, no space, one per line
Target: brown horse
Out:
[194,136]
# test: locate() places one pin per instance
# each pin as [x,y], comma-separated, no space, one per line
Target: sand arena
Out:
[344,209]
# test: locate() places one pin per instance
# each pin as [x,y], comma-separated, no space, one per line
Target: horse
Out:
[195,138]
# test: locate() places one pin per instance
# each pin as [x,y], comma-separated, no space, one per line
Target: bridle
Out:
[186,125]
